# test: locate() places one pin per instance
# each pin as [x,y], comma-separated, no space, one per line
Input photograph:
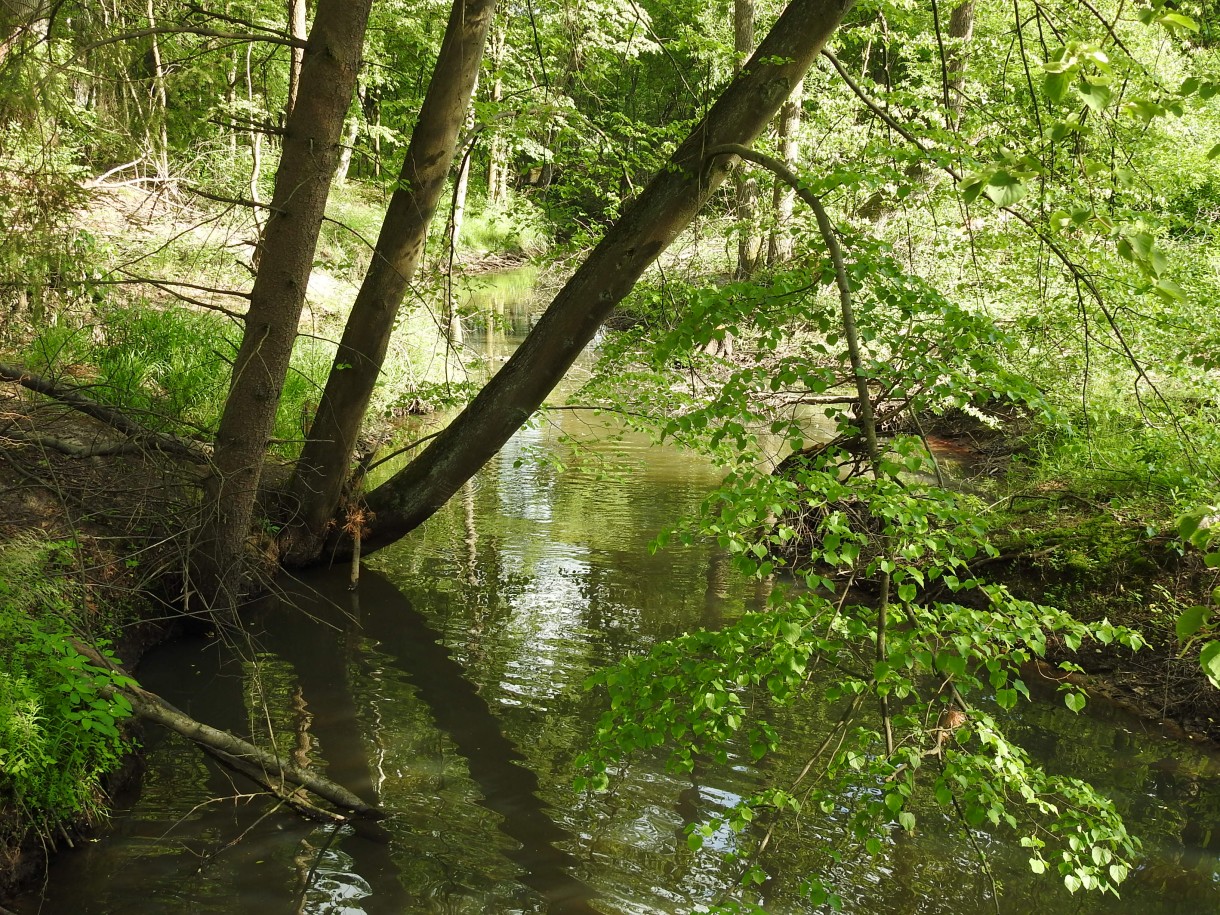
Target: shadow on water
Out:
[508,787]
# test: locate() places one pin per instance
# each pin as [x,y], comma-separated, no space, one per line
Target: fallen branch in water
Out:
[263,767]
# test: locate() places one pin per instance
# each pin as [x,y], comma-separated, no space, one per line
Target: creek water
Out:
[448,688]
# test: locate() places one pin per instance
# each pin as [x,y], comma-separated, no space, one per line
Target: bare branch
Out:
[269,37]
[72,397]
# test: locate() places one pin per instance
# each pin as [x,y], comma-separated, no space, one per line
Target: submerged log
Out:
[260,765]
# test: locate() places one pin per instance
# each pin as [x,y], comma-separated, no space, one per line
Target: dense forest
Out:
[831,245]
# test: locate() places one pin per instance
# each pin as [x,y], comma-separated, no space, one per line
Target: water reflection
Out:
[448,689]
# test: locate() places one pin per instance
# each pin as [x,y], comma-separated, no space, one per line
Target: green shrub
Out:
[58,734]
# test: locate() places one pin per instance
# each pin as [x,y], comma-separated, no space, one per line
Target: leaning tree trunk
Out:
[302,183]
[664,208]
[324,465]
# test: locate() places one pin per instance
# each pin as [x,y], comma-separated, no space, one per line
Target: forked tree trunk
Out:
[325,462]
[664,208]
[302,183]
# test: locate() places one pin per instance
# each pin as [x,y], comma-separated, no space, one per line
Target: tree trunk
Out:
[779,245]
[961,31]
[256,165]
[160,103]
[749,238]
[664,208]
[350,132]
[302,183]
[497,146]
[297,26]
[16,16]
[323,467]
[457,216]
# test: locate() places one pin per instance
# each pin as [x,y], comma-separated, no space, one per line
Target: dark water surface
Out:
[448,689]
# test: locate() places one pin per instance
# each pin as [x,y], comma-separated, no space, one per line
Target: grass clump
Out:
[170,368]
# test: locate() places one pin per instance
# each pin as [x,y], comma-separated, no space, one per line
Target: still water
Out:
[448,688]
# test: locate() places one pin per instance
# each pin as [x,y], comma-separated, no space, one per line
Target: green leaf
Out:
[1176,21]
[1190,522]
[1168,290]
[1074,701]
[1055,86]
[1095,96]
[1214,151]
[1005,189]
[1209,660]
[1191,620]
[1037,865]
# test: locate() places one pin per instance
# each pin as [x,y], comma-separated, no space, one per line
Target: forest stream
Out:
[448,689]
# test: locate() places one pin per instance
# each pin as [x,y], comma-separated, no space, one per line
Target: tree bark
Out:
[664,208]
[324,465]
[307,165]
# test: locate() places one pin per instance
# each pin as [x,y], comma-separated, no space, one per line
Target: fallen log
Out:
[260,765]
[115,419]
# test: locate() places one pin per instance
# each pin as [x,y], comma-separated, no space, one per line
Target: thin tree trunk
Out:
[664,208]
[457,216]
[297,28]
[326,458]
[497,147]
[749,237]
[256,166]
[350,132]
[160,100]
[307,165]
[779,245]
[961,32]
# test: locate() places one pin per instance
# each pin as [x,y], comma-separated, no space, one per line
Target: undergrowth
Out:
[59,735]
